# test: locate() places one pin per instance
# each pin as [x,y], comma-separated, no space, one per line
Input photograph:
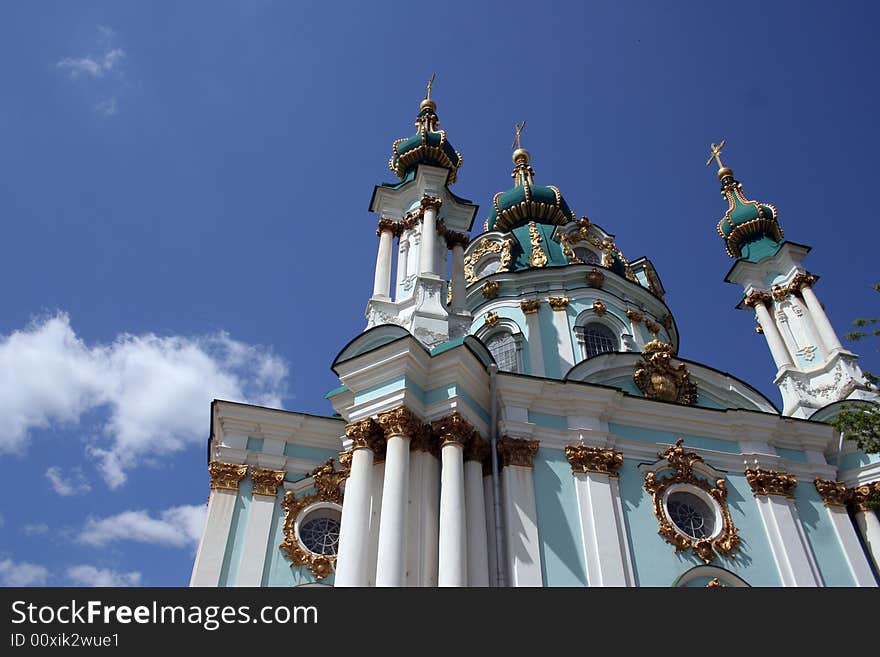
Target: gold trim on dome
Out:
[599,308]
[266,481]
[516,451]
[682,462]
[558,303]
[658,378]
[530,306]
[452,429]
[226,476]
[770,482]
[585,459]
[491,318]
[595,278]
[833,493]
[490,289]
[538,257]
[319,564]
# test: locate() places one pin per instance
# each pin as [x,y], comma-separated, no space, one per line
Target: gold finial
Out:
[520,155]
[716,155]
[430,84]
[428,103]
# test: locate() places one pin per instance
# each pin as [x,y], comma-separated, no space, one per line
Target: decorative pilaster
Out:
[530,308]
[266,481]
[520,511]
[563,332]
[423,514]
[864,499]
[382,279]
[826,331]
[835,495]
[453,432]
[558,303]
[457,242]
[259,525]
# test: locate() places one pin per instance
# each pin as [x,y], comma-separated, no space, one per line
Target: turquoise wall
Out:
[657,436]
[821,535]
[235,544]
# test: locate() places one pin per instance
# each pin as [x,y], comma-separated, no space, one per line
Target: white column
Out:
[423,523]
[453,519]
[820,319]
[852,550]
[375,521]
[391,560]
[536,351]
[774,339]
[209,559]
[382,280]
[459,286]
[351,561]
[428,249]
[521,527]
[489,499]
[869,528]
[402,265]
[788,542]
[477,547]
[605,543]
[563,338]
[259,524]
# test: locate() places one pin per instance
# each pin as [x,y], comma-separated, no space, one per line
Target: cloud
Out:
[35,529]
[155,390]
[85,575]
[179,526]
[93,66]
[76,484]
[22,573]
[106,107]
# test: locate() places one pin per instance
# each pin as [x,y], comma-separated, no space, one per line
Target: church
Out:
[515,413]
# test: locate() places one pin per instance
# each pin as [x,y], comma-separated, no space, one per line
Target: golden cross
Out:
[716,154]
[519,129]
[430,84]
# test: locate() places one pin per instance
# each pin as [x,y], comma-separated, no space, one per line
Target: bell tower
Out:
[813,368]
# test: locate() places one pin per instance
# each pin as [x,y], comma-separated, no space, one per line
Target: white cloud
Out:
[75,484]
[94,66]
[35,529]
[156,390]
[179,526]
[22,573]
[85,575]
[106,107]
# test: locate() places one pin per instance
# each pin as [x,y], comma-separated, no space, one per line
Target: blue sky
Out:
[184,208]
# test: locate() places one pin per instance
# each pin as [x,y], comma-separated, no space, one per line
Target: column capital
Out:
[430,202]
[410,219]
[423,441]
[454,239]
[584,459]
[266,481]
[517,451]
[452,429]
[399,422]
[770,482]
[758,297]
[530,306]
[394,227]
[802,280]
[476,449]
[864,497]
[558,303]
[833,493]
[366,434]
[226,476]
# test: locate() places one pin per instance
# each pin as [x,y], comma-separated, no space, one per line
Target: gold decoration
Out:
[515,451]
[558,303]
[476,449]
[530,306]
[834,493]
[399,422]
[452,429]
[770,482]
[394,227]
[653,327]
[319,564]
[599,308]
[491,319]
[715,583]
[266,481]
[327,481]
[780,293]
[366,434]
[226,476]
[755,297]
[538,257]
[716,154]
[595,278]
[426,122]
[585,459]
[448,293]
[505,255]
[865,497]
[682,462]
[490,289]
[454,239]
[659,379]
[568,251]
[430,202]
[519,129]
[666,320]
[634,315]
[800,281]
[484,247]
[344,459]
[759,329]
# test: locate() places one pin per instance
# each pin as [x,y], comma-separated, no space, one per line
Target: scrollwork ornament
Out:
[399,422]
[530,306]
[599,308]
[833,493]
[490,289]
[584,459]
[226,476]
[558,303]
[516,451]
[266,481]
[658,378]
[491,318]
[770,482]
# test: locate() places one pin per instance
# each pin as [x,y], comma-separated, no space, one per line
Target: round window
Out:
[319,531]
[691,515]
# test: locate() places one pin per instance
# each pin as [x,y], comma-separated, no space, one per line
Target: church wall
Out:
[552,367]
[822,536]
[235,543]
[562,552]
[669,437]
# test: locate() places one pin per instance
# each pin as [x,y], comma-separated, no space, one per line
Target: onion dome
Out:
[427,146]
[527,202]
[750,229]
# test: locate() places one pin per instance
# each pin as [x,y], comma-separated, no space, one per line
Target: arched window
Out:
[504,350]
[585,255]
[598,339]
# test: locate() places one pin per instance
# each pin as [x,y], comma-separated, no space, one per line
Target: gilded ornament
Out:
[558,303]
[759,329]
[770,482]
[366,434]
[715,583]
[567,250]
[779,293]
[801,280]
[423,441]
[451,429]
[266,481]
[484,247]
[682,463]
[599,308]
[454,239]
[866,497]
[585,459]
[476,449]
[634,316]
[516,451]
[833,493]
[394,227]
[658,378]
[538,257]
[755,297]
[319,564]
[595,278]
[490,289]
[530,306]
[399,422]
[327,481]
[666,320]
[653,327]
[491,318]
[226,476]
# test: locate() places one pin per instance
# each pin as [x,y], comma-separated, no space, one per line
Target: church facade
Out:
[529,422]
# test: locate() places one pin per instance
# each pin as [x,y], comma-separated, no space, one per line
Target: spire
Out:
[523,175]
[428,146]
[749,228]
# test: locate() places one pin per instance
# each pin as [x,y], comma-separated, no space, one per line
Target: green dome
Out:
[746,222]
[427,146]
